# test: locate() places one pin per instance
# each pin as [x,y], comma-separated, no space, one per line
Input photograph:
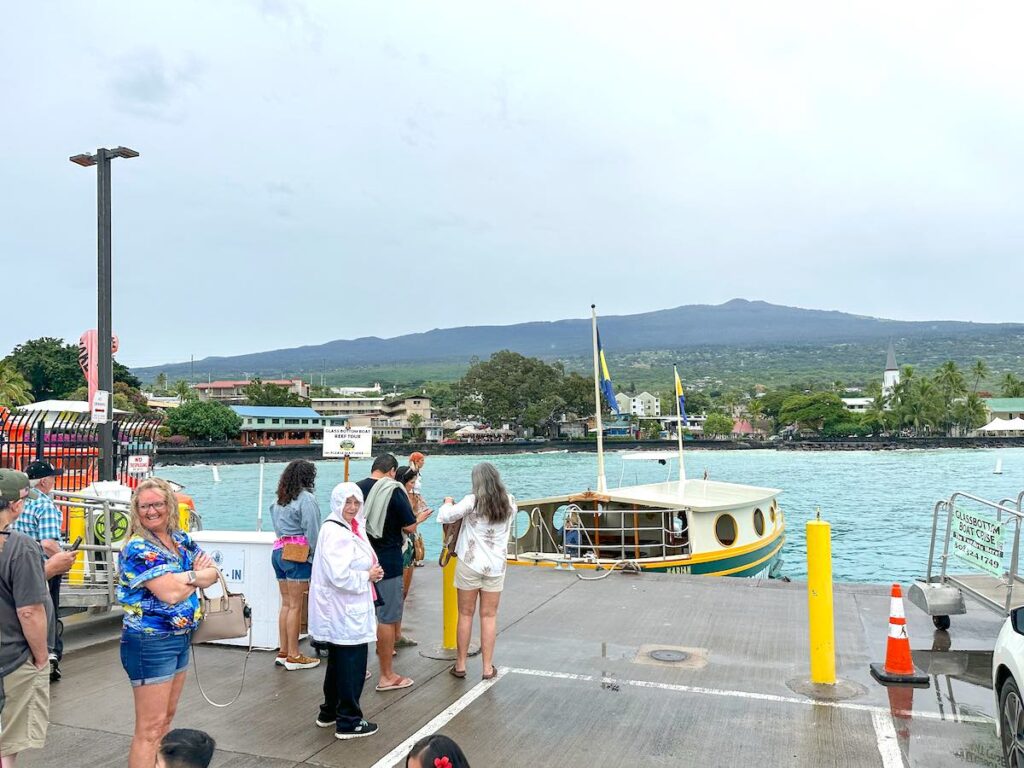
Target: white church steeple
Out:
[891,377]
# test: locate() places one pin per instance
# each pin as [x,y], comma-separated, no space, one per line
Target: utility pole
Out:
[104,333]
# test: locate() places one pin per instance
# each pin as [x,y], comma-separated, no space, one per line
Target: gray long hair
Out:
[491,497]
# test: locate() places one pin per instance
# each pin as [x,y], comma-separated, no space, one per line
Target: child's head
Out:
[436,751]
[185,748]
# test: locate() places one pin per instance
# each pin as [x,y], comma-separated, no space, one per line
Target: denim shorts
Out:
[151,658]
[286,570]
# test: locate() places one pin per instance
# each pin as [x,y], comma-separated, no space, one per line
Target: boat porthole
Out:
[725,530]
[771,514]
[759,522]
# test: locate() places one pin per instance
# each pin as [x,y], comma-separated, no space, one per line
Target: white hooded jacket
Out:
[340,593]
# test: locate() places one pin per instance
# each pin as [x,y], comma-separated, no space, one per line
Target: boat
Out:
[687,526]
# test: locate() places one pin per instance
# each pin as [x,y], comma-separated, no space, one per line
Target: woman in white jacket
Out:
[341,612]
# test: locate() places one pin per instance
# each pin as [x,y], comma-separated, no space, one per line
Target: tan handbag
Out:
[295,553]
[224,617]
[450,538]
[419,549]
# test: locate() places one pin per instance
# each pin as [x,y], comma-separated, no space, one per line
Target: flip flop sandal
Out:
[403,682]
[461,674]
[494,673]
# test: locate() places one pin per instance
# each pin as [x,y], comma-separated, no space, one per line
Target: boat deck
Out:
[579,689]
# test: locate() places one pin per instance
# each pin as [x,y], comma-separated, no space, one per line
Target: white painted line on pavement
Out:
[397,755]
[737,694]
[888,744]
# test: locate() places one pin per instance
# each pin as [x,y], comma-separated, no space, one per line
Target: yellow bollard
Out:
[450,606]
[819,602]
[76,528]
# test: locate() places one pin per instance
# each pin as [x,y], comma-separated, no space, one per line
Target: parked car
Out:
[1007,679]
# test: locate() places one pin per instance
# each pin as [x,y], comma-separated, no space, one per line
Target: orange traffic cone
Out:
[899,666]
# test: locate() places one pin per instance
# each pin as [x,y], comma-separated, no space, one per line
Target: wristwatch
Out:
[191,578]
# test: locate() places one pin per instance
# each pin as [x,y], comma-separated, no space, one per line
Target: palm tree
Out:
[952,385]
[970,413]
[980,372]
[14,390]
[183,390]
[1012,386]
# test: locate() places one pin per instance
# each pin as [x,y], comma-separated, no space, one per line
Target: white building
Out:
[857,404]
[891,377]
[644,405]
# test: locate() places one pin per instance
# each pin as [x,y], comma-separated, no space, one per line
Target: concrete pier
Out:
[579,688]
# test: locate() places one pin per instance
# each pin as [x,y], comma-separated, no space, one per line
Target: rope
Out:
[627,566]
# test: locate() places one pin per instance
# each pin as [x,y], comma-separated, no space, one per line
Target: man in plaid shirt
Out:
[41,520]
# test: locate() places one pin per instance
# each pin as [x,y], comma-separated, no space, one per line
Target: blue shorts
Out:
[151,658]
[286,570]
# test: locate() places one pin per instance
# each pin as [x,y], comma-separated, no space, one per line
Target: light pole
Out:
[104,362]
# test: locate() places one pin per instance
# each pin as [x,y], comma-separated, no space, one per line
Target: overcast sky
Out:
[313,171]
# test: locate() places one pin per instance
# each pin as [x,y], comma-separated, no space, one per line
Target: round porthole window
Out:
[759,522]
[771,515]
[725,530]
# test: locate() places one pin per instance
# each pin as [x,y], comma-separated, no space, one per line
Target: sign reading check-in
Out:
[978,541]
[355,442]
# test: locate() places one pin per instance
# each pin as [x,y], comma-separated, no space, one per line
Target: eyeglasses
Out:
[157,505]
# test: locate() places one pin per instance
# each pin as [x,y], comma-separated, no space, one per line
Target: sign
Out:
[356,442]
[231,561]
[100,407]
[138,465]
[978,541]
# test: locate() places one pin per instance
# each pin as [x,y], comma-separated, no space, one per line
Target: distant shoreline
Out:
[238,454]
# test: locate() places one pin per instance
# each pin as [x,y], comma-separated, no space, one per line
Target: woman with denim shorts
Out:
[160,569]
[296,517]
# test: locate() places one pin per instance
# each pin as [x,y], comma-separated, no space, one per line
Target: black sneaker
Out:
[324,722]
[363,729]
[54,670]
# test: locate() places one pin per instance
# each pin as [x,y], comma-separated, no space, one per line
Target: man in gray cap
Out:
[41,520]
[27,624]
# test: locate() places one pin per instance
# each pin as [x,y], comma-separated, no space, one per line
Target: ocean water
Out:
[879,503]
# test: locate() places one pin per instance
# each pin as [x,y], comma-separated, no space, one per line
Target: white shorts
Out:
[468,579]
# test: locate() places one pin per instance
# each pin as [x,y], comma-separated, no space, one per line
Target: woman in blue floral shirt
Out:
[160,570]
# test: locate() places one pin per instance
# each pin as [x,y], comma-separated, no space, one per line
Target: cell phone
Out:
[76,544]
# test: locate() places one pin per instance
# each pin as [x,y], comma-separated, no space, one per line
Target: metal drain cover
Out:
[664,654]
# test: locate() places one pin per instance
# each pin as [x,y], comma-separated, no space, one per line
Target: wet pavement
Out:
[579,686]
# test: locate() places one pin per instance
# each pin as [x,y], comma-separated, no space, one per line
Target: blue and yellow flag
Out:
[680,398]
[606,379]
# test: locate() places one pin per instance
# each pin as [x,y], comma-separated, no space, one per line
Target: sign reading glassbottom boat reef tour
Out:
[354,442]
[978,541]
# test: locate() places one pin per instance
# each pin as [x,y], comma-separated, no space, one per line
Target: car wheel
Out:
[1011,724]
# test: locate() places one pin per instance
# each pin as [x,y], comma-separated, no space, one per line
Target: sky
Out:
[320,170]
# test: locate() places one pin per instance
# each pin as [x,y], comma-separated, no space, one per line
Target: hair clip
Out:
[442,762]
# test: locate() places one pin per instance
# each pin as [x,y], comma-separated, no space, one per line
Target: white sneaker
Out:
[300,662]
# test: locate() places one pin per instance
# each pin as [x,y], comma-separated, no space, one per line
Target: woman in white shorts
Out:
[486,516]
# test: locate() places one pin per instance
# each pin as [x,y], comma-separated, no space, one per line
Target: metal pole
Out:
[819,602]
[104,362]
[259,500]
[602,484]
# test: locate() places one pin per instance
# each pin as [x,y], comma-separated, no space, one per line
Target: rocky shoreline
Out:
[238,454]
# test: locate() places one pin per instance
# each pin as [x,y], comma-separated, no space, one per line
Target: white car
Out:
[1007,681]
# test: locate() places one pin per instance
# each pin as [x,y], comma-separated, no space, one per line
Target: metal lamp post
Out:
[104,333]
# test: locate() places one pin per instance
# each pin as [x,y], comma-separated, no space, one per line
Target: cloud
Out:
[145,84]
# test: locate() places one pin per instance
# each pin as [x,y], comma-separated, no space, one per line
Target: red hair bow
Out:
[442,762]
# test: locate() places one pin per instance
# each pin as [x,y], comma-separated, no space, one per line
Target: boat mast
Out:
[679,426]
[602,484]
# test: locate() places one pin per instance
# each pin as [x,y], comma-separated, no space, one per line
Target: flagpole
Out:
[602,484]
[679,426]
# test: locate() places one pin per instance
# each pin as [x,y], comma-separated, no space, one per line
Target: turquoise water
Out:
[878,502]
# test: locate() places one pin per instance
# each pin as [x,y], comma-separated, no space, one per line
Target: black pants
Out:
[343,684]
[58,646]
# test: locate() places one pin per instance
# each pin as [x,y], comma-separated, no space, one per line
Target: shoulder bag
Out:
[450,535]
[223,618]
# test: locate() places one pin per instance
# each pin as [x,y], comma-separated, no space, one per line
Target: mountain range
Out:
[737,323]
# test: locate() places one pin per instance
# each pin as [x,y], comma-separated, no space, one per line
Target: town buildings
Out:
[233,392]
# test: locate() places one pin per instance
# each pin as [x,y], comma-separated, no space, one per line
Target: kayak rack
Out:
[941,593]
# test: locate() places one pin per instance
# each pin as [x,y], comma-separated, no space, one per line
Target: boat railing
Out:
[102,524]
[621,542]
[995,592]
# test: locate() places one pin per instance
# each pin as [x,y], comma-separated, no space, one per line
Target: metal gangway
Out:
[941,593]
[103,525]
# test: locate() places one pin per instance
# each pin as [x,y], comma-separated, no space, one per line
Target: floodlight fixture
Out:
[124,152]
[85,161]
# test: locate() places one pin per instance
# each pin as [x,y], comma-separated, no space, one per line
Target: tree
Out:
[718,424]
[51,368]
[980,372]
[183,390]
[970,412]
[578,393]
[258,393]
[1012,386]
[509,385]
[14,390]
[813,411]
[415,420]
[160,383]
[204,420]
[651,429]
